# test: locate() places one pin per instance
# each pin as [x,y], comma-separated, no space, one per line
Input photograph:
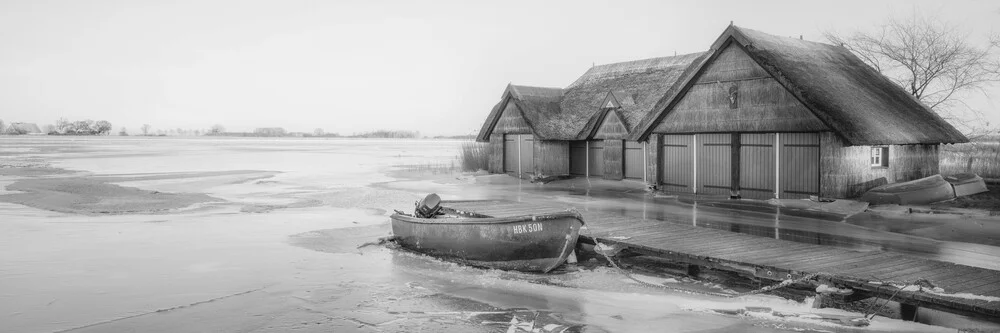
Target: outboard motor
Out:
[428,207]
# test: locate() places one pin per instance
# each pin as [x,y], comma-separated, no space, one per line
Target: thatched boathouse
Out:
[580,130]
[757,116]
[775,117]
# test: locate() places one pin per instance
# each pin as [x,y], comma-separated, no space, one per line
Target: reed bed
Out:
[980,157]
[474,156]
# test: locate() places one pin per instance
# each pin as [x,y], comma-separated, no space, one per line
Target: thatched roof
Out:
[575,112]
[636,85]
[538,105]
[853,99]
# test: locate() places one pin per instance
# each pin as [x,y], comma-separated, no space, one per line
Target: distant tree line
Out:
[219,130]
[103,127]
[388,134]
[457,137]
[79,127]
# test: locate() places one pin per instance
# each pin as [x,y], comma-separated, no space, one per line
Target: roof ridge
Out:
[745,29]
[679,56]
[617,69]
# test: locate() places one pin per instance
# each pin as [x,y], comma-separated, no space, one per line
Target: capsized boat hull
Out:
[915,192]
[967,184]
[531,243]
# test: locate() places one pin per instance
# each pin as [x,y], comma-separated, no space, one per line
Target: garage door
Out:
[527,152]
[518,153]
[715,163]
[510,154]
[757,162]
[634,166]
[578,158]
[677,167]
[799,169]
[595,160]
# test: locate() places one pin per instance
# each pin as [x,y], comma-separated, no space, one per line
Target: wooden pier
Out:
[870,272]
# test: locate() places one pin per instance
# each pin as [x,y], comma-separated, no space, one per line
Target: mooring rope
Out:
[380,241]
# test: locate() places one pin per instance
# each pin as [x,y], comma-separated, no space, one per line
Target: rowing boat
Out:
[915,192]
[537,242]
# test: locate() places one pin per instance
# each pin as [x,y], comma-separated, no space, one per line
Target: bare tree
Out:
[123,132]
[49,129]
[145,129]
[318,132]
[931,59]
[62,125]
[216,129]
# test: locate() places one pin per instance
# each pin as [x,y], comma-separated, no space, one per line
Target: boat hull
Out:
[967,184]
[532,243]
[915,192]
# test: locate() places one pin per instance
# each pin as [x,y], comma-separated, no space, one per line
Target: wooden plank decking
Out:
[778,259]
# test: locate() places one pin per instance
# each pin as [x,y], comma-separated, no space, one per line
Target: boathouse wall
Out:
[614,154]
[613,132]
[653,152]
[734,94]
[495,163]
[511,122]
[847,171]
[551,157]
[737,131]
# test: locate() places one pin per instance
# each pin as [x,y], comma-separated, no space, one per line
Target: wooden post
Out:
[694,149]
[517,140]
[734,192]
[818,302]
[645,176]
[908,312]
[693,270]
[777,165]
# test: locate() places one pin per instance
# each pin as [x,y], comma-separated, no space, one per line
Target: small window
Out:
[880,157]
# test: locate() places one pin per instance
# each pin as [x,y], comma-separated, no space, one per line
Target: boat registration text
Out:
[525,228]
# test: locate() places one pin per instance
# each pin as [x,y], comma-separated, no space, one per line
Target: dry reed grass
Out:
[979,157]
[475,156]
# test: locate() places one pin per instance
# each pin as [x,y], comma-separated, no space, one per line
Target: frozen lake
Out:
[276,247]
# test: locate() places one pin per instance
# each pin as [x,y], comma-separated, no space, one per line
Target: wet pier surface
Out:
[952,287]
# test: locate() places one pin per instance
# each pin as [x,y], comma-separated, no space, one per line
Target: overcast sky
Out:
[355,66]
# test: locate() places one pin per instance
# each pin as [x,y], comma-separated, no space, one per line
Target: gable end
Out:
[732,93]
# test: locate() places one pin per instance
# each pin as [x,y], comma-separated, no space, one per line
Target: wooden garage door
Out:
[510,154]
[634,166]
[518,153]
[757,165]
[799,168]
[595,160]
[677,171]
[578,158]
[527,142]
[715,163]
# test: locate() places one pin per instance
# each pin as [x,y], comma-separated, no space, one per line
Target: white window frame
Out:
[879,157]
